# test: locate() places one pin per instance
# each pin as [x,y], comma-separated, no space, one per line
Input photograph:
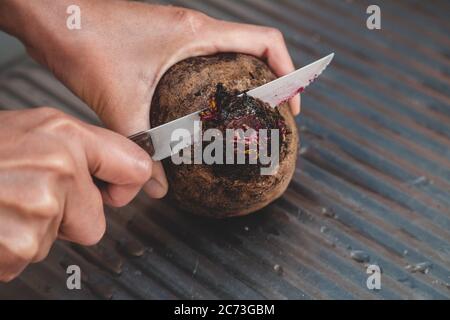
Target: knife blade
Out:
[157,141]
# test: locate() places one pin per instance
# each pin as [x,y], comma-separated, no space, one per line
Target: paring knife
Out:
[157,141]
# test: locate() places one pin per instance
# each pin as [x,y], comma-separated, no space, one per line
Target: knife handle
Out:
[143,140]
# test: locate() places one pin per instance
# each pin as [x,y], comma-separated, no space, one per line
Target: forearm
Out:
[11,20]
[41,24]
[30,20]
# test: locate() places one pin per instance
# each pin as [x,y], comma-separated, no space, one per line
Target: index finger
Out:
[118,161]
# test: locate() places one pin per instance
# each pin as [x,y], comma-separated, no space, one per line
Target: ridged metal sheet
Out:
[372,185]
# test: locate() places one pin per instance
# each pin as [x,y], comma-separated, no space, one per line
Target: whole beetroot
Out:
[204,189]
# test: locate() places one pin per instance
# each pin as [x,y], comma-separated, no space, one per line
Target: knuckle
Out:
[191,20]
[60,165]
[56,165]
[59,123]
[276,34]
[46,205]
[47,112]
[26,248]
[184,15]
[41,202]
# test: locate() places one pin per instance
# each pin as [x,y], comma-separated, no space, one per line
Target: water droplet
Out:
[303,150]
[132,248]
[116,265]
[246,228]
[423,267]
[419,180]
[323,229]
[303,128]
[278,269]
[327,212]
[194,272]
[359,256]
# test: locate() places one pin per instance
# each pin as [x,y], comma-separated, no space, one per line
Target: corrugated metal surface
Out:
[372,184]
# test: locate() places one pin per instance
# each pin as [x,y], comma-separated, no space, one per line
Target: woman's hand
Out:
[116,59]
[47,160]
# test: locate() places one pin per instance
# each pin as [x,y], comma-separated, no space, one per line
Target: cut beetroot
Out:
[229,110]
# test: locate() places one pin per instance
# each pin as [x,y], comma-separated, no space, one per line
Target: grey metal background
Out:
[372,184]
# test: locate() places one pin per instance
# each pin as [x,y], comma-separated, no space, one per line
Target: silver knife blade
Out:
[284,88]
[157,141]
[159,138]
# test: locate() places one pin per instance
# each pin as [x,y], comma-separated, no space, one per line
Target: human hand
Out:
[47,160]
[123,48]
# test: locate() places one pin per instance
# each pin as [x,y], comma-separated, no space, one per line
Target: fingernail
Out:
[155,189]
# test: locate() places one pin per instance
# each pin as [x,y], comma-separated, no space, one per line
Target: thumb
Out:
[129,121]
